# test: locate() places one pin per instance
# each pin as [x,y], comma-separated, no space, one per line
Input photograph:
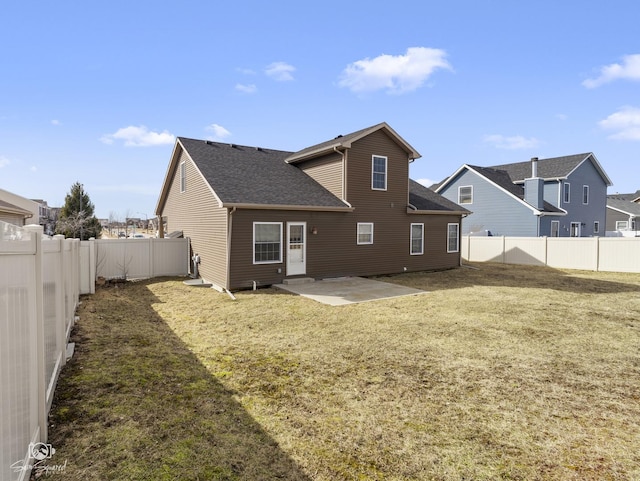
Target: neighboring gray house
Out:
[623,213]
[557,197]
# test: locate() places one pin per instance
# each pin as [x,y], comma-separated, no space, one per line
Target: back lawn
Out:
[500,372]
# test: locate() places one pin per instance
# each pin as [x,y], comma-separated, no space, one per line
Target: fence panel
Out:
[525,250]
[573,253]
[620,254]
[486,249]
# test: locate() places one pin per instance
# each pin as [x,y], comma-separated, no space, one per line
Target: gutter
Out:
[315,208]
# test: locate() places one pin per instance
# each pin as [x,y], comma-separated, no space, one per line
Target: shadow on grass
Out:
[517,276]
[136,403]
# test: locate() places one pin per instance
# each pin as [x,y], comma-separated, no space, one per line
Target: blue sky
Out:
[96,92]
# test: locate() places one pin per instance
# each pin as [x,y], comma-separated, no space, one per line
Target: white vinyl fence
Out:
[613,254]
[39,293]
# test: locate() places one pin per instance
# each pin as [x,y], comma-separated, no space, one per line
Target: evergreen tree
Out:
[77,218]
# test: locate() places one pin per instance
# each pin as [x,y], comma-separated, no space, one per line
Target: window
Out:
[566,192]
[365,233]
[585,194]
[555,228]
[622,225]
[183,177]
[417,239]
[465,194]
[267,242]
[596,227]
[452,237]
[379,173]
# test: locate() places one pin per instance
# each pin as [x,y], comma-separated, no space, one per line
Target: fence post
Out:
[61,331]
[504,249]
[38,231]
[92,265]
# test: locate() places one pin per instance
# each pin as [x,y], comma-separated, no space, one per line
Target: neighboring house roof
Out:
[501,179]
[241,175]
[424,199]
[621,203]
[14,209]
[634,197]
[342,142]
[552,168]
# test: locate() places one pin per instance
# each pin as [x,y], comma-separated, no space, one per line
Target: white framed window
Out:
[596,227]
[465,194]
[555,228]
[453,237]
[566,192]
[417,239]
[622,225]
[183,177]
[378,172]
[267,242]
[585,194]
[365,233]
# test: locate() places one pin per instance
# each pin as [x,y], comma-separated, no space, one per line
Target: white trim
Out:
[182,168]
[304,249]
[585,189]
[596,226]
[578,231]
[619,224]
[460,187]
[421,239]
[457,237]
[358,233]
[557,222]
[253,250]
[566,192]
[373,172]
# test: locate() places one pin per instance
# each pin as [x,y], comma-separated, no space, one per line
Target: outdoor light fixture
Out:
[314,230]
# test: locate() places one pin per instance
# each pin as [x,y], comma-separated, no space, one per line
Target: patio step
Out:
[298,280]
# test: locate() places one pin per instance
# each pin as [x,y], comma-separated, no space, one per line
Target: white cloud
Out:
[511,143]
[562,116]
[629,69]
[426,182]
[626,123]
[55,122]
[4,162]
[246,71]
[280,71]
[139,137]
[219,132]
[33,168]
[395,74]
[246,89]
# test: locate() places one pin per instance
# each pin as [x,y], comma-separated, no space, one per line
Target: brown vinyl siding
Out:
[327,171]
[196,213]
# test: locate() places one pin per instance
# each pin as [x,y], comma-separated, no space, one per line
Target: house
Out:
[18,210]
[557,197]
[623,214]
[345,207]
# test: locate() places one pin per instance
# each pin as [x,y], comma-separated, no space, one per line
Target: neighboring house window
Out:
[183,177]
[555,228]
[585,194]
[453,242]
[379,173]
[365,233]
[567,192]
[465,194]
[596,227]
[417,239]
[575,229]
[267,242]
[622,225]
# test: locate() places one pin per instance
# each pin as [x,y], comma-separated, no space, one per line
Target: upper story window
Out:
[566,192]
[379,172]
[585,194]
[465,194]
[183,177]
[365,233]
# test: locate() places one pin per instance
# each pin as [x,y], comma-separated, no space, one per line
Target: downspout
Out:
[229,232]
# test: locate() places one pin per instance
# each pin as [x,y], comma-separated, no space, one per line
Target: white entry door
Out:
[296,248]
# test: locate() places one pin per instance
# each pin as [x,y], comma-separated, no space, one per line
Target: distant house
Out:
[557,197]
[623,214]
[18,210]
[345,207]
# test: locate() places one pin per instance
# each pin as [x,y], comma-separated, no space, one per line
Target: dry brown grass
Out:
[501,372]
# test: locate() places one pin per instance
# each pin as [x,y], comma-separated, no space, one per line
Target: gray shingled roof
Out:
[250,175]
[627,197]
[553,168]
[624,204]
[422,198]
[503,179]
